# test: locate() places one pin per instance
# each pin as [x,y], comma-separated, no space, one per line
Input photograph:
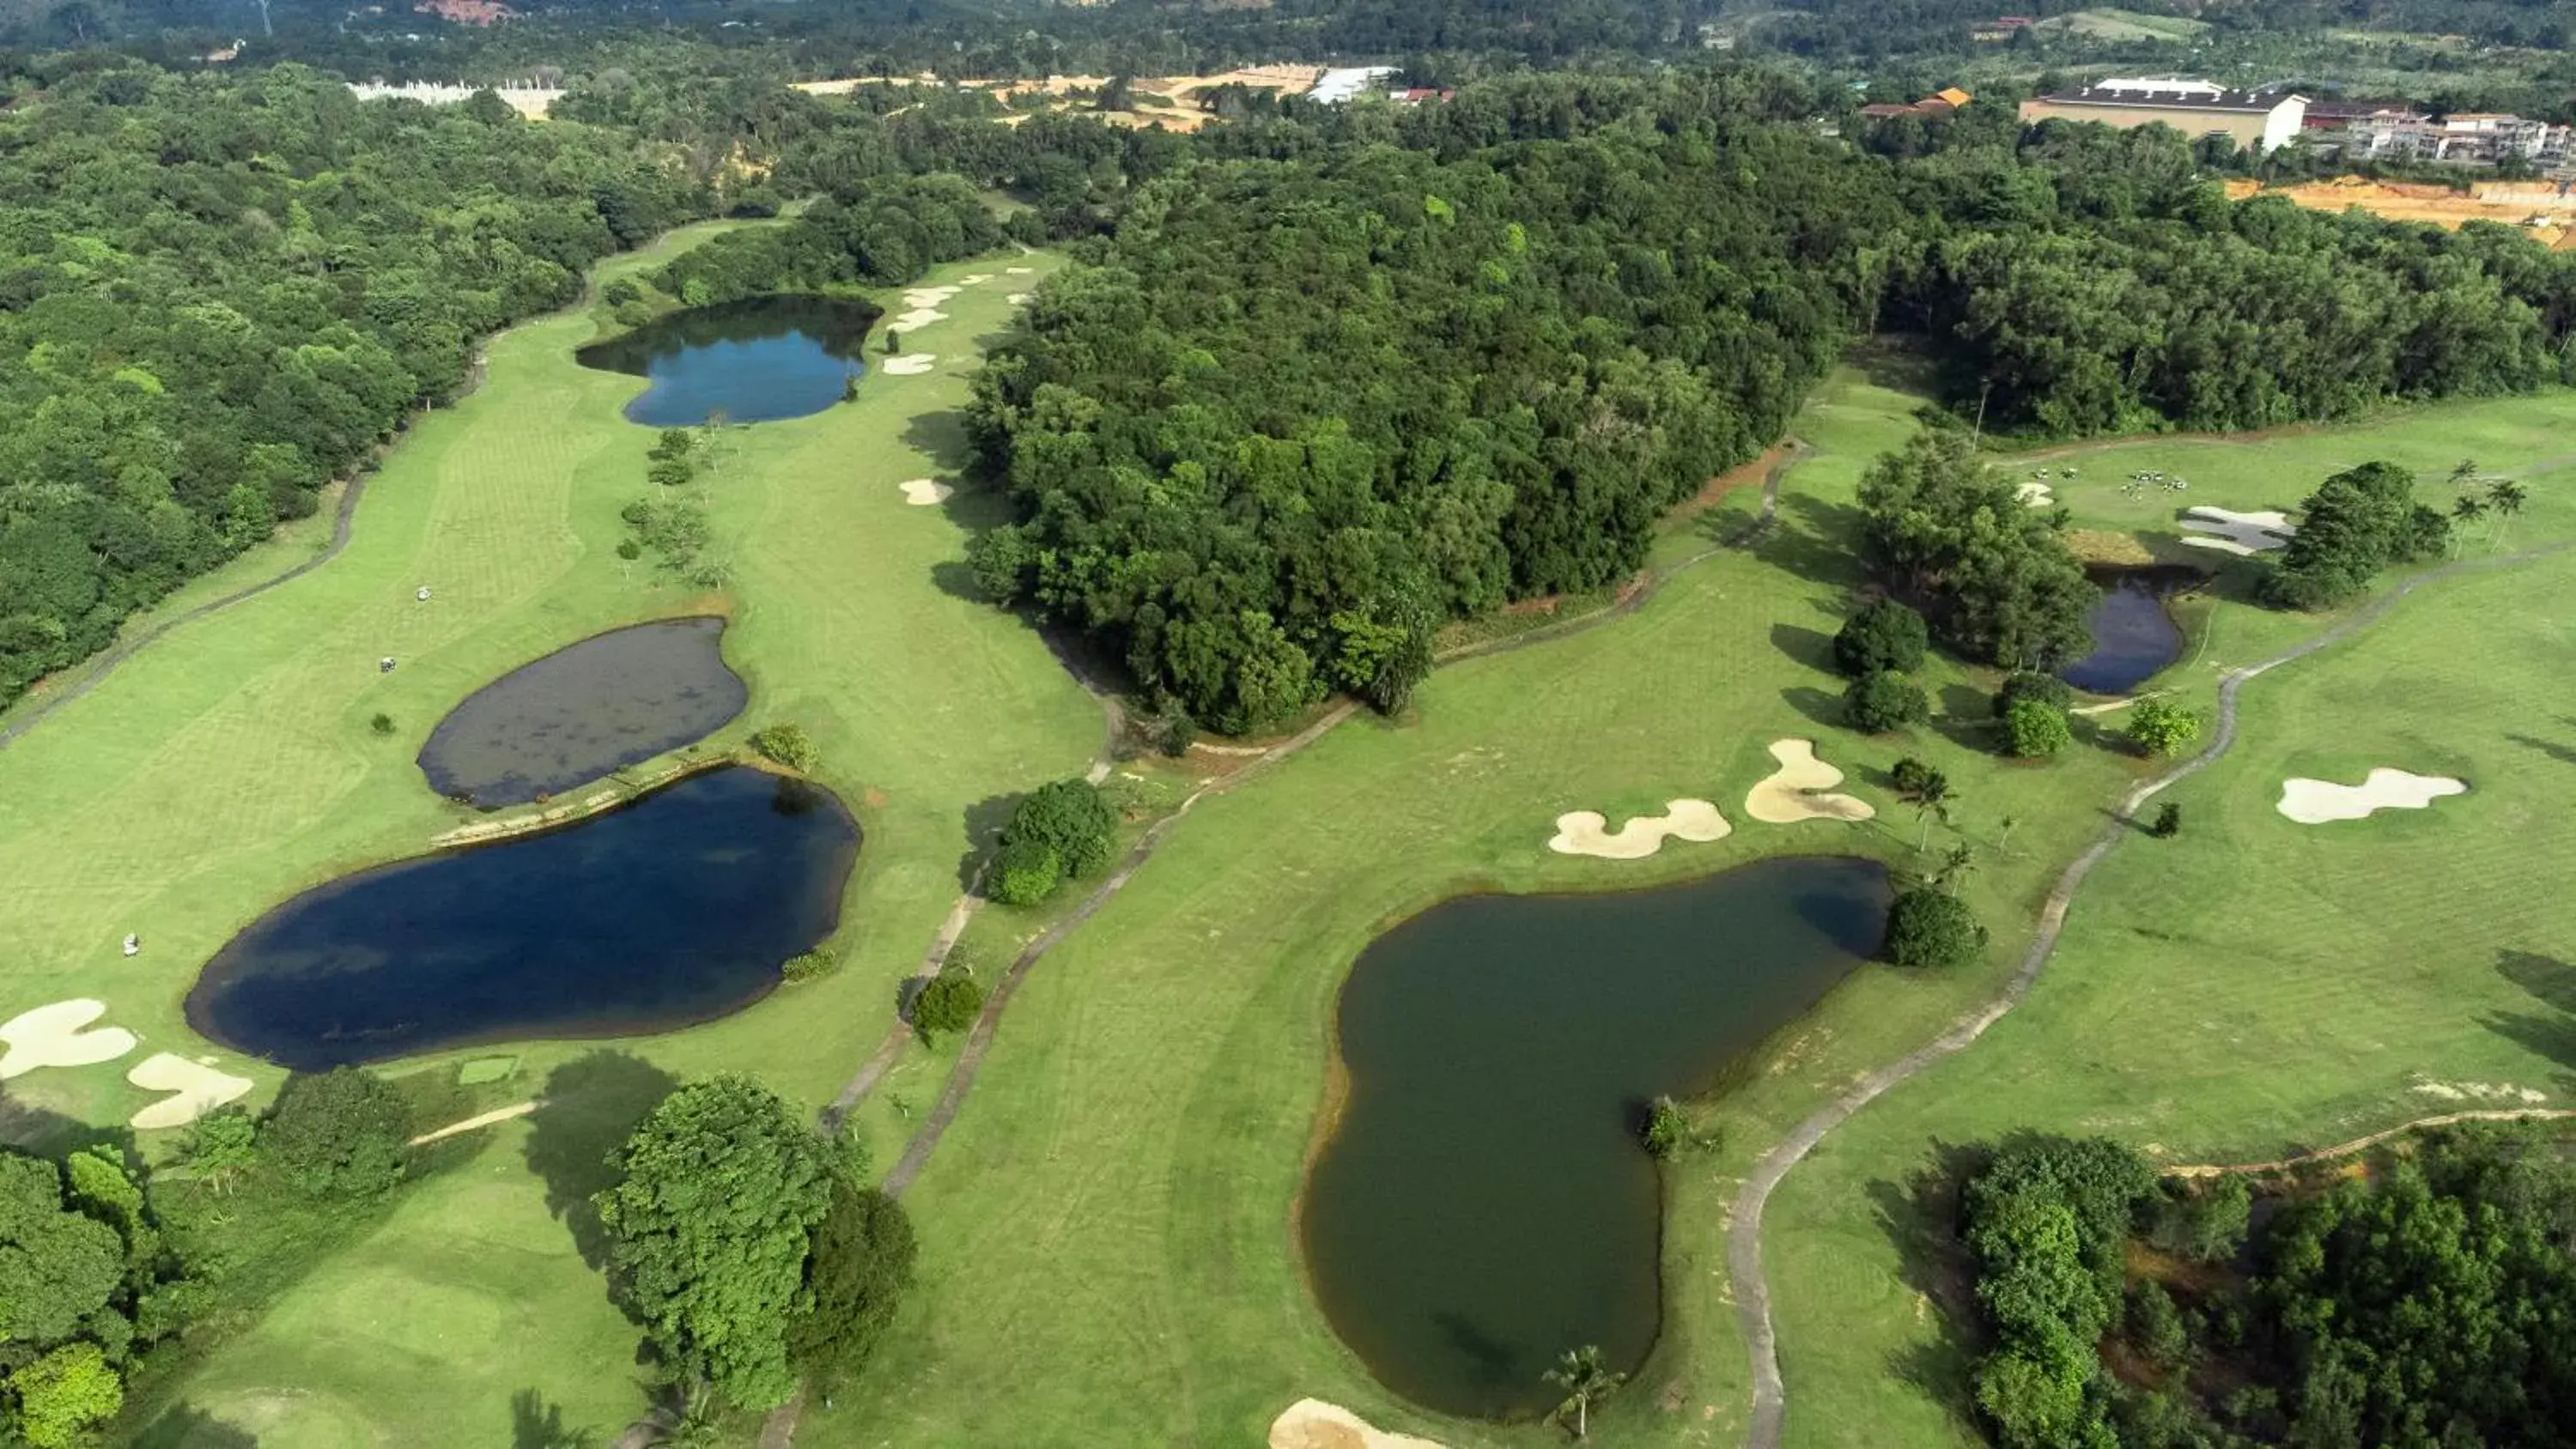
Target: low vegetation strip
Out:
[1744,1229]
[2363,1144]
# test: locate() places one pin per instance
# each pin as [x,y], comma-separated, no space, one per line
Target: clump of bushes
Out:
[1930,927]
[1062,831]
[789,745]
[949,1001]
[343,1133]
[2357,522]
[2033,707]
[1884,701]
[1668,1129]
[382,724]
[1884,635]
[2159,728]
[811,965]
[671,460]
[2168,822]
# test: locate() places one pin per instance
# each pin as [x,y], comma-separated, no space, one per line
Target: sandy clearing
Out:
[1796,791]
[58,1036]
[976,280]
[1314,1424]
[2038,495]
[1019,271]
[918,297]
[1017,299]
[1585,832]
[2314,802]
[2488,1091]
[198,1090]
[2242,534]
[479,1120]
[922,492]
[918,317]
[911,364]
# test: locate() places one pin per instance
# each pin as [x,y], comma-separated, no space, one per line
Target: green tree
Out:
[1026,872]
[1884,634]
[222,1145]
[2156,1327]
[1927,789]
[58,1268]
[1071,818]
[787,744]
[2036,729]
[947,1002]
[343,1133]
[1586,1381]
[1878,703]
[62,1395]
[1996,577]
[708,1230]
[856,1275]
[2158,727]
[2356,523]
[1932,928]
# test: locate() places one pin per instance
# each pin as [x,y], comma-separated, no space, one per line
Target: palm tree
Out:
[2004,841]
[2506,497]
[2465,511]
[1586,1382]
[2465,470]
[1961,860]
[1931,795]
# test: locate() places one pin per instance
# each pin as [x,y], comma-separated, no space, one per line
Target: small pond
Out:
[1484,1203]
[756,360]
[584,711]
[675,910]
[2134,633]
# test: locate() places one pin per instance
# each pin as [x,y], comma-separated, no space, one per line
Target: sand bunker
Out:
[2242,534]
[919,317]
[909,365]
[1017,299]
[199,1090]
[920,297]
[1585,832]
[56,1036]
[1019,271]
[922,492]
[2038,495]
[2314,802]
[1795,791]
[1314,1424]
[977,280]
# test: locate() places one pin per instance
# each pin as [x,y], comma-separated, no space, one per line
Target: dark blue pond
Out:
[2134,634]
[677,909]
[583,711]
[1485,1203]
[754,361]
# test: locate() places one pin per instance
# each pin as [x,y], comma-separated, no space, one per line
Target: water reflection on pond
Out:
[753,361]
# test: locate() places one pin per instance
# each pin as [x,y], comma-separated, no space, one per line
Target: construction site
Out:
[2546,209]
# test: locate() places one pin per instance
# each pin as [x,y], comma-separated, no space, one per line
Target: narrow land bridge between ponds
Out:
[1744,1233]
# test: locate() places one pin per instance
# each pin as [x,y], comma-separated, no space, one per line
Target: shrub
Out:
[1878,703]
[2036,730]
[2168,821]
[856,1274]
[1070,817]
[949,1001]
[1915,779]
[1668,1128]
[1179,732]
[382,724]
[1000,560]
[339,1134]
[787,744]
[811,965]
[2022,684]
[670,472]
[2159,728]
[2155,1326]
[1883,635]
[1933,928]
[61,1395]
[1025,873]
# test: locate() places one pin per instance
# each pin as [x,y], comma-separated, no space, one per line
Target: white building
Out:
[1338,86]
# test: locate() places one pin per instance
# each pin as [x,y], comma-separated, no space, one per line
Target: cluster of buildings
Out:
[2267,119]
[1939,105]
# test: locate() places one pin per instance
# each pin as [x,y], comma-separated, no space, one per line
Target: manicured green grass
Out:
[233,764]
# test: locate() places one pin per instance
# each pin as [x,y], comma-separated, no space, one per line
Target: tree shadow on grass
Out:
[2551,1032]
[538,1424]
[32,1127]
[592,1104]
[189,1427]
[2563,754]
[1818,706]
[1811,647]
[1920,1217]
[942,436]
[984,821]
[1813,539]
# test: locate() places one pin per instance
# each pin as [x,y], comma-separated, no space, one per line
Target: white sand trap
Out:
[977,280]
[1017,299]
[909,365]
[2242,534]
[1586,832]
[922,492]
[199,1090]
[919,317]
[1019,271]
[1314,1424]
[57,1036]
[2314,802]
[2038,495]
[1796,791]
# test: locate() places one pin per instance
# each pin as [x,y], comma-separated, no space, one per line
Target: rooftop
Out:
[2177,94]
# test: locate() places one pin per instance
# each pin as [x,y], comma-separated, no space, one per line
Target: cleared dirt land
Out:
[2549,213]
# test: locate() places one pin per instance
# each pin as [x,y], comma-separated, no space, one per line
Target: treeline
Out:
[217,294]
[2423,1304]
[1306,410]
[887,232]
[2081,280]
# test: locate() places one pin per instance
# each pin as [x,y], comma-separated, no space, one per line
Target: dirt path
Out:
[2364,1144]
[100,666]
[1744,1233]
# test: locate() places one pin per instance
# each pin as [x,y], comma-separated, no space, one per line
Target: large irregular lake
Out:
[1484,1203]
[583,711]
[675,910]
[755,361]
[2134,633]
